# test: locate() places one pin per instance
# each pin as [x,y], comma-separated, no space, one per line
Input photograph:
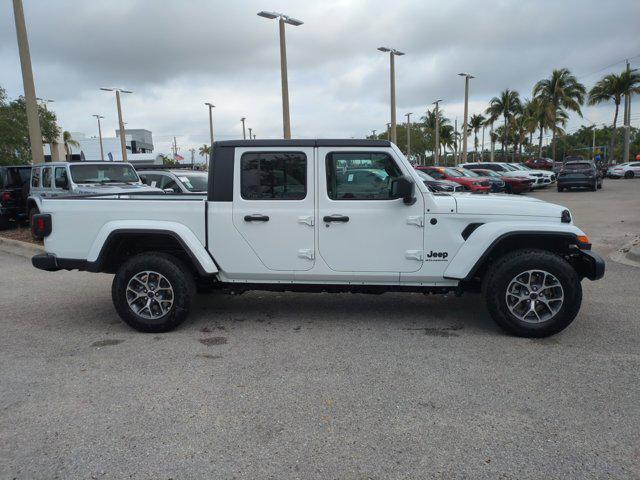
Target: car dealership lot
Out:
[269,385]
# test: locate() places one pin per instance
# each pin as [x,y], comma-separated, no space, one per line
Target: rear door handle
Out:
[256,218]
[336,218]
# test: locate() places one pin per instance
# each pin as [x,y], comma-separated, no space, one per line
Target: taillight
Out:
[6,196]
[41,225]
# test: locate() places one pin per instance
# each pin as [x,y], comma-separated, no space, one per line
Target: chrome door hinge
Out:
[417,220]
[414,255]
[306,253]
[306,219]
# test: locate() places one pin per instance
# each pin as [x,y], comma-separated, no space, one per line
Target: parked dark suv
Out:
[14,190]
[579,174]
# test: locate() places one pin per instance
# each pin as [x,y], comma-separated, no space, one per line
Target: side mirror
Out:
[403,187]
[168,190]
[62,182]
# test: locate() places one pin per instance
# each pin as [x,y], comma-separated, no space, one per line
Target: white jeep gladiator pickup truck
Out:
[321,216]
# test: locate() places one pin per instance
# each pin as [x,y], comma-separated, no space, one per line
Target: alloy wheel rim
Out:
[534,296]
[150,295]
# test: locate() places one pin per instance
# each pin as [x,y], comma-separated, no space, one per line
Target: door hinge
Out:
[306,253]
[417,220]
[306,219]
[414,255]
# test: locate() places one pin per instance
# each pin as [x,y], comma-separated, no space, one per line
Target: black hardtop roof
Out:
[350,142]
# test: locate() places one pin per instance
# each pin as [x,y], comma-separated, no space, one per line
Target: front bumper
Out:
[589,264]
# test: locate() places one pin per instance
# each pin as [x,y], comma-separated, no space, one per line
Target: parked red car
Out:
[540,163]
[480,185]
[512,184]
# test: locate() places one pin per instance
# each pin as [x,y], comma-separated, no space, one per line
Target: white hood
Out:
[474,204]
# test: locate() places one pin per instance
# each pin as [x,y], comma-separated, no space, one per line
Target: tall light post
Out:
[282,19]
[123,143]
[408,115]
[33,120]
[388,131]
[467,77]
[392,82]
[436,150]
[211,107]
[98,117]
[250,135]
[244,133]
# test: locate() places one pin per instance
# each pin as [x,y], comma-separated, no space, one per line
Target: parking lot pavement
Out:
[268,385]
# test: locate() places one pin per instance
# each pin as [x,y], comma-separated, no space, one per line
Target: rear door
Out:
[362,227]
[273,205]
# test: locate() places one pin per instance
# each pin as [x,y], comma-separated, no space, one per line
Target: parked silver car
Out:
[175,180]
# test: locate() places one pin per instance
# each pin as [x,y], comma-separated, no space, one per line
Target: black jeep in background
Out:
[14,190]
[579,174]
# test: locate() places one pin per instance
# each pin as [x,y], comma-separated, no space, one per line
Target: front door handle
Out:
[336,218]
[256,218]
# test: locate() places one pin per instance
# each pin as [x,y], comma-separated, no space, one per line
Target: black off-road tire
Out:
[178,275]
[507,267]
[561,189]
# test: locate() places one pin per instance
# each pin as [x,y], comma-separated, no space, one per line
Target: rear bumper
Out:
[576,182]
[590,265]
[51,263]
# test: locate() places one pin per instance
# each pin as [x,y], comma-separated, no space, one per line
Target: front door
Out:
[362,227]
[273,205]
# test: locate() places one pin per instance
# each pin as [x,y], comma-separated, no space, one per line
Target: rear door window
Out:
[273,176]
[46,177]
[35,177]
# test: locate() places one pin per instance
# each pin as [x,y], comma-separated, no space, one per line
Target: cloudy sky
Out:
[177,55]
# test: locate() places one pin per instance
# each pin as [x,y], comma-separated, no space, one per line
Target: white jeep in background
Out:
[297,215]
[57,179]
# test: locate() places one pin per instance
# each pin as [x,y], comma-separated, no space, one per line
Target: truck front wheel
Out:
[532,293]
[153,291]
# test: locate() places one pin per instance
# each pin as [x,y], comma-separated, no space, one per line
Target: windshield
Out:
[453,173]
[519,167]
[194,182]
[488,173]
[468,173]
[510,168]
[424,176]
[104,173]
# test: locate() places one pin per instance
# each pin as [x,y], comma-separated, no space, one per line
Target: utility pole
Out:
[627,122]
[98,117]
[493,144]
[175,148]
[436,148]
[211,107]
[466,76]
[250,136]
[593,144]
[244,133]
[282,19]
[123,143]
[388,131]
[392,87]
[33,120]
[193,152]
[408,115]
[455,143]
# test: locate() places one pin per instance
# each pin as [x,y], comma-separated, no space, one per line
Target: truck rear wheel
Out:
[153,291]
[532,293]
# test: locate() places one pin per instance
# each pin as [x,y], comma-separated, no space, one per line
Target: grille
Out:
[485,184]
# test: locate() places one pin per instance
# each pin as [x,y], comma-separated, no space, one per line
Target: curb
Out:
[16,247]
[634,254]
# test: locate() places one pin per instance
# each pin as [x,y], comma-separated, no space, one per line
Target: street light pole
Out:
[408,115]
[466,76]
[98,117]
[392,87]
[33,120]
[244,133]
[211,107]
[593,144]
[282,19]
[250,136]
[388,131]
[436,150]
[627,120]
[123,143]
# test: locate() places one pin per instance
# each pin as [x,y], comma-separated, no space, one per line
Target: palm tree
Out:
[204,150]
[614,87]
[68,143]
[505,106]
[561,91]
[446,139]
[475,123]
